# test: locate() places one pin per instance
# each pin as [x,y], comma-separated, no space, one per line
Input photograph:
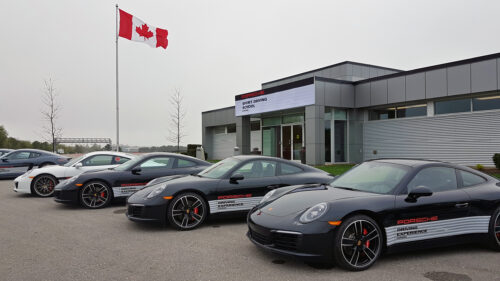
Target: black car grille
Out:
[279,240]
[135,211]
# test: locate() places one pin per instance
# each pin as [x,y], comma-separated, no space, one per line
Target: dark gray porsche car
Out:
[17,162]
[234,185]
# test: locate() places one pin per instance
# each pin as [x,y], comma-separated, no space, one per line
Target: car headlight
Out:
[267,196]
[313,213]
[157,189]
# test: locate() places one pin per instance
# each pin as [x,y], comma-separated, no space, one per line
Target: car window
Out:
[157,162]
[470,179]
[34,155]
[20,155]
[257,169]
[120,160]
[182,163]
[98,160]
[437,179]
[287,169]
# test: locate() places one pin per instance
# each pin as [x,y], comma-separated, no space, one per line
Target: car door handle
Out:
[462,205]
[273,186]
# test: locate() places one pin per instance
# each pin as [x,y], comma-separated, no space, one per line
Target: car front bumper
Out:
[22,184]
[310,242]
[147,213]
[68,196]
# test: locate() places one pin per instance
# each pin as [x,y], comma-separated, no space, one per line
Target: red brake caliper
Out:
[196,212]
[102,194]
[367,243]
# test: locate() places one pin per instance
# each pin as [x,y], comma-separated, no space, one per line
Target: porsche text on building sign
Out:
[276,98]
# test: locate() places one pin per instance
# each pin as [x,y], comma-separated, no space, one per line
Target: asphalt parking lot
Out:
[43,240]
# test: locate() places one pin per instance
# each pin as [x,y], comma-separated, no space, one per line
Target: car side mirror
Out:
[136,170]
[419,191]
[78,165]
[5,160]
[235,178]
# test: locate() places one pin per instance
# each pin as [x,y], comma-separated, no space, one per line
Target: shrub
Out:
[496,160]
[479,167]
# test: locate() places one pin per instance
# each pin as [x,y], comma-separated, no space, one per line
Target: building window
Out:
[486,103]
[411,111]
[231,128]
[452,106]
[271,121]
[255,126]
[219,130]
[299,118]
[382,114]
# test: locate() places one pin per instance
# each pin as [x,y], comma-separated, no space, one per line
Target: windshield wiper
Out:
[346,188]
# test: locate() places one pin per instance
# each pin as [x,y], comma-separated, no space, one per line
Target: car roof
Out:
[408,161]
[116,153]
[37,150]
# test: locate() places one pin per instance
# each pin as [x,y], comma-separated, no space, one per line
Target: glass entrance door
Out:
[271,145]
[292,140]
[287,142]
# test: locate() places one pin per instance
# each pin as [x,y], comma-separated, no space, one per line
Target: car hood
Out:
[178,182]
[303,197]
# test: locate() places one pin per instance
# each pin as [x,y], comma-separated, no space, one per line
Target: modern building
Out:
[350,112]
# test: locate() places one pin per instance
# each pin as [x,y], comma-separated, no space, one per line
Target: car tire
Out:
[187,211]
[357,243]
[43,185]
[494,232]
[95,195]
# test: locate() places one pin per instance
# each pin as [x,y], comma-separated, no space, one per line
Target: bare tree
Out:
[177,116]
[51,113]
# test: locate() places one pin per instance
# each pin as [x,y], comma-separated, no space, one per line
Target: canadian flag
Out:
[135,29]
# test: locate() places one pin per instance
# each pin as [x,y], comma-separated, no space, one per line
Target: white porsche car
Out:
[41,181]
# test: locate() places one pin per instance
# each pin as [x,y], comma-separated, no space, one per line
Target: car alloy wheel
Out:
[95,195]
[187,211]
[497,228]
[43,185]
[359,243]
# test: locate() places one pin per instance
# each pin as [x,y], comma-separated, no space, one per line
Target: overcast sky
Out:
[217,49]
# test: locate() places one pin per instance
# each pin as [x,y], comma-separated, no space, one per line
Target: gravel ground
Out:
[43,240]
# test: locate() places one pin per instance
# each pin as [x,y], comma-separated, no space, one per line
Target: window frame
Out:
[461,180]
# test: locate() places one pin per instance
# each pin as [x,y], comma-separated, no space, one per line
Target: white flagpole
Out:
[117,104]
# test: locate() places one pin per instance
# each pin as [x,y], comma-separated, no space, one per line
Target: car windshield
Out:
[375,177]
[129,164]
[6,154]
[73,161]
[219,169]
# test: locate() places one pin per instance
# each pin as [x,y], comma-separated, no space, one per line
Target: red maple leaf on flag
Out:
[144,31]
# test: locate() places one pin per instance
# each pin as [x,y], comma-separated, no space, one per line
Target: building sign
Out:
[277,98]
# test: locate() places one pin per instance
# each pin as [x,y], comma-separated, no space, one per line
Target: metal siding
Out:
[415,87]
[347,95]
[468,138]
[378,92]
[396,90]
[484,76]
[362,93]
[332,94]
[223,145]
[435,83]
[459,80]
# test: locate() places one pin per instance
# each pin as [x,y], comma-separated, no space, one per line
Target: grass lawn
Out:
[337,169]
[496,175]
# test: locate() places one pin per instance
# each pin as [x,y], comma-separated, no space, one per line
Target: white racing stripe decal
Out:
[436,229]
[124,191]
[231,205]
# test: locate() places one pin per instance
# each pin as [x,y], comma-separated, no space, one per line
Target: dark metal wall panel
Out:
[483,76]
[468,139]
[347,95]
[378,92]
[396,90]
[415,87]
[459,80]
[435,83]
[362,95]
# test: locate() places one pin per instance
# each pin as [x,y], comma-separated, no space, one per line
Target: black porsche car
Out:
[234,185]
[17,162]
[382,205]
[96,189]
